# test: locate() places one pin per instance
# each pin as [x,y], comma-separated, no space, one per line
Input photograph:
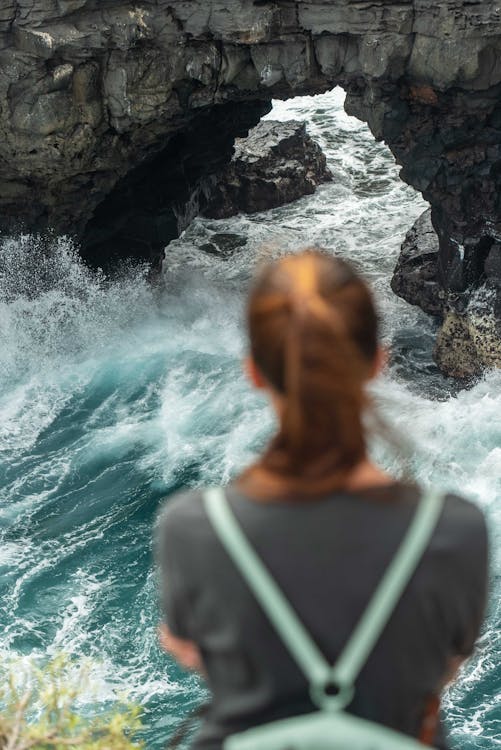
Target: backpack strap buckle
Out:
[331,695]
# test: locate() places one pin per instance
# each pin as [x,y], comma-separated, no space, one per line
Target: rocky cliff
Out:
[469,339]
[95,96]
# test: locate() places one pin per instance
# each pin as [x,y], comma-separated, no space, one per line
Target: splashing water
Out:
[113,393]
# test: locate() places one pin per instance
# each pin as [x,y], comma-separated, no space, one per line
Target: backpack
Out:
[330,727]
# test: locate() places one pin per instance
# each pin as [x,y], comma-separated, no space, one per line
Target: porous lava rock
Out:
[469,338]
[275,164]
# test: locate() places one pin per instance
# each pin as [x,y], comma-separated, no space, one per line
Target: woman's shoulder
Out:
[181,511]
[461,526]
[458,512]
[463,523]
[462,514]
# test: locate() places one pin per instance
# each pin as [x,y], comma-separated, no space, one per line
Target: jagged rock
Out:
[468,343]
[276,163]
[469,339]
[224,244]
[415,277]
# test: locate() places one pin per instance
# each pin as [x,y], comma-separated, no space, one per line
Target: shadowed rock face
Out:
[90,91]
[153,202]
[415,278]
[469,338]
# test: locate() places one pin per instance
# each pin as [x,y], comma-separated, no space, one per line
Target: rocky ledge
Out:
[469,337]
[276,164]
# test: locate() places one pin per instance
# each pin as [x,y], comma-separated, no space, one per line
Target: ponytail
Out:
[313,331]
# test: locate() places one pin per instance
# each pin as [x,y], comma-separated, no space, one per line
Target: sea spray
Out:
[114,392]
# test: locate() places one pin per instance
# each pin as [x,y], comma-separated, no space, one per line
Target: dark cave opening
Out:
[158,198]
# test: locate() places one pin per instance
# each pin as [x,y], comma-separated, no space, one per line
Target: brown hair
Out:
[313,336]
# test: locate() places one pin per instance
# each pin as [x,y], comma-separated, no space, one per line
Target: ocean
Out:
[115,392]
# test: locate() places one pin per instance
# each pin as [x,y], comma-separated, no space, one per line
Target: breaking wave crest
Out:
[116,391]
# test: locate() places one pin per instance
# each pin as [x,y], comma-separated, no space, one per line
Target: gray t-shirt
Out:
[327,555]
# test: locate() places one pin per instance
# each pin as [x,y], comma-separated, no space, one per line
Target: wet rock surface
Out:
[275,164]
[224,244]
[469,342]
[415,278]
[469,338]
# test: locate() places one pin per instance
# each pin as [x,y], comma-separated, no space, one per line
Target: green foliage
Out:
[39,711]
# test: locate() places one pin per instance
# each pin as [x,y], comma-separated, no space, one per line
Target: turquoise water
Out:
[114,393]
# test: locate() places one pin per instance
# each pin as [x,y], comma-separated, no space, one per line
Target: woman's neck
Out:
[367,474]
[256,482]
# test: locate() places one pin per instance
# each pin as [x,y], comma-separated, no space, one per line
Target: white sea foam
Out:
[112,391]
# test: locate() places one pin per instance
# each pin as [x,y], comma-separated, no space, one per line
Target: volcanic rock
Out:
[415,277]
[469,339]
[276,163]
[224,244]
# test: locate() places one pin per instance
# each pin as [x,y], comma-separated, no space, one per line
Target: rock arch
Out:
[90,91]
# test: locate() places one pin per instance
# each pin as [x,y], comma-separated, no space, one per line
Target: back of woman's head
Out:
[314,339]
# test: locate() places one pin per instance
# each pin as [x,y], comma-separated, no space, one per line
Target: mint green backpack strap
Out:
[389,590]
[291,630]
[317,670]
